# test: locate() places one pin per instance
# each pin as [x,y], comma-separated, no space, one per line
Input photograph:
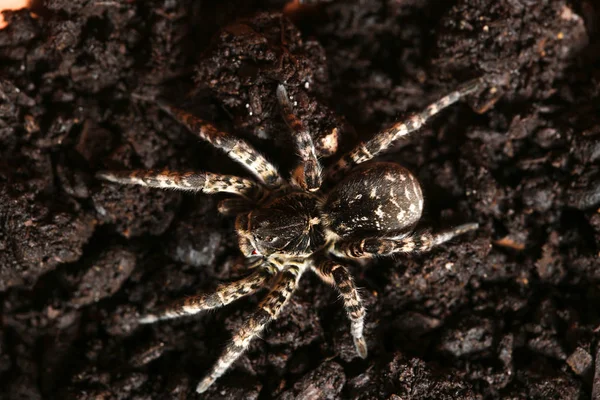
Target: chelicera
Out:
[287,228]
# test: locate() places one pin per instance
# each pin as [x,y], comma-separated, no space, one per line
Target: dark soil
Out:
[510,311]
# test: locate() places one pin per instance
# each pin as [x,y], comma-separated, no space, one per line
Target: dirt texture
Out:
[509,311]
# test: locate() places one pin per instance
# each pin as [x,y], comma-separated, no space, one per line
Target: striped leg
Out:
[414,244]
[268,310]
[380,142]
[223,295]
[307,175]
[337,275]
[205,182]
[235,148]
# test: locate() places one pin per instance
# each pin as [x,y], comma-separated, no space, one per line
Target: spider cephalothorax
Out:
[290,224]
[286,229]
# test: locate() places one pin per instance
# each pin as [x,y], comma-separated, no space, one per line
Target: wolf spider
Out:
[286,228]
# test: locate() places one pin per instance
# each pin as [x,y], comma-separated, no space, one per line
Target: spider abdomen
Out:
[379,199]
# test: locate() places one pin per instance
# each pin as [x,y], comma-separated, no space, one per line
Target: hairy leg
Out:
[235,148]
[337,275]
[308,174]
[380,142]
[223,295]
[268,310]
[205,182]
[235,206]
[372,247]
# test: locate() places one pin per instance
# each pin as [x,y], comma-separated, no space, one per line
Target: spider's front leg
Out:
[337,275]
[370,247]
[205,182]
[223,295]
[268,310]
[235,148]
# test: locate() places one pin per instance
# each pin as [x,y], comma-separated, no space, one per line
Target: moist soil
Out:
[509,311]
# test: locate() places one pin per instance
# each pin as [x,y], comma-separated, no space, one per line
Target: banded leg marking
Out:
[414,244]
[380,142]
[223,295]
[205,182]
[235,148]
[268,310]
[308,174]
[338,276]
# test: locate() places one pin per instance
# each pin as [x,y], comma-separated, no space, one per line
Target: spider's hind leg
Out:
[308,174]
[338,276]
[418,243]
[384,139]
[223,295]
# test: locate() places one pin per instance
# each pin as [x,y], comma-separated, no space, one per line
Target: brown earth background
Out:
[510,311]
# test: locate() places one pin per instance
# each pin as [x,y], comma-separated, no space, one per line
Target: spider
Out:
[286,228]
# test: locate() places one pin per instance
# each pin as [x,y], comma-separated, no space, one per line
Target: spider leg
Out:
[205,182]
[235,148]
[337,275]
[380,142]
[371,247]
[308,174]
[223,295]
[268,310]
[235,206]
